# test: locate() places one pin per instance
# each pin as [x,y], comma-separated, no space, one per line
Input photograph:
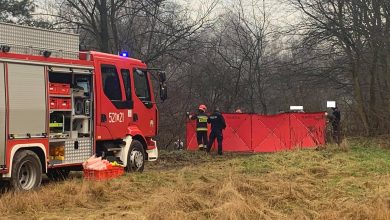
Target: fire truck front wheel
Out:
[135,157]
[26,171]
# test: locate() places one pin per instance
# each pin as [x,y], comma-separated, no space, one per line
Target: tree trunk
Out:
[114,27]
[103,10]
[359,96]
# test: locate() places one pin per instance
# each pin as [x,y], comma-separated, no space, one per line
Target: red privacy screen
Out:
[267,133]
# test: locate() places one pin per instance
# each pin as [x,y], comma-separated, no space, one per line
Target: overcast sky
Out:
[279,12]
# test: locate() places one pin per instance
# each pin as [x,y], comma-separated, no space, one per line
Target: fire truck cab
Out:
[57,109]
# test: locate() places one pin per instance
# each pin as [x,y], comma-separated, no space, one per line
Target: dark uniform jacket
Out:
[337,116]
[201,121]
[217,122]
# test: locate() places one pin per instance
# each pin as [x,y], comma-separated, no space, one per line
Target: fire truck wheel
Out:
[58,174]
[26,171]
[136,157]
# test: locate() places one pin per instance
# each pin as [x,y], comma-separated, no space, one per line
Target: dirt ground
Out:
[352,182]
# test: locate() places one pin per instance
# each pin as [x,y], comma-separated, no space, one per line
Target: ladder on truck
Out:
[37,41]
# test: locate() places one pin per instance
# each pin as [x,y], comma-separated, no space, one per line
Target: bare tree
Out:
[358,29]
[242,41]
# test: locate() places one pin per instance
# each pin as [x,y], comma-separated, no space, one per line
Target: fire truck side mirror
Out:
[163,92]
[162,76]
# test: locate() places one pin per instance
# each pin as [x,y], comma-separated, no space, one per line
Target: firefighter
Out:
[201,126]
[217,125]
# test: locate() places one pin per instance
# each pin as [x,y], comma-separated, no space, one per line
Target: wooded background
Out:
[261,56]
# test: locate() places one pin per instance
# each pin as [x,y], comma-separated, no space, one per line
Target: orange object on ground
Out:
[101,175]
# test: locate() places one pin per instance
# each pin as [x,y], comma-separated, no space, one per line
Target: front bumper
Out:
[152,151]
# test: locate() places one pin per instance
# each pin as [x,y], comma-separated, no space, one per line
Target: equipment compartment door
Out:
[2,115]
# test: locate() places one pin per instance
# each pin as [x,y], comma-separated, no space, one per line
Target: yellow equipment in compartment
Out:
[57,153]
[55,125]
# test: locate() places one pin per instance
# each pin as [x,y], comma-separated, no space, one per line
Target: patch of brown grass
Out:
[302,184]
[344,145]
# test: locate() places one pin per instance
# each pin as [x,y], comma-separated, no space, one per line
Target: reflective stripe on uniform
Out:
[201,129]
[202,119]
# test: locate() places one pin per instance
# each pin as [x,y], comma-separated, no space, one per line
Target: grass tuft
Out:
[350,181]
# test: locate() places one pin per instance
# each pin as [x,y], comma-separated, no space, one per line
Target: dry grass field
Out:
[352,182]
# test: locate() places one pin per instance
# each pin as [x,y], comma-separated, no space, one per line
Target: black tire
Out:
[58,174]
[136,157]
[26,171]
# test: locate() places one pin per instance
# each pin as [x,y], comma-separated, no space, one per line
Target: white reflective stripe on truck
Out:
[9,60]
[2,115]
[27,146]
[125,150]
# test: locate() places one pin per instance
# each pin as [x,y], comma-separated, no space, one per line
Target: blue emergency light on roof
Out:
[124,54]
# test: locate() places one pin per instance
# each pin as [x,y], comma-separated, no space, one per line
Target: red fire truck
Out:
[60,106]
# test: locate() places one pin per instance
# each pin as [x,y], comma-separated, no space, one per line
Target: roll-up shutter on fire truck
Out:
[27,100]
